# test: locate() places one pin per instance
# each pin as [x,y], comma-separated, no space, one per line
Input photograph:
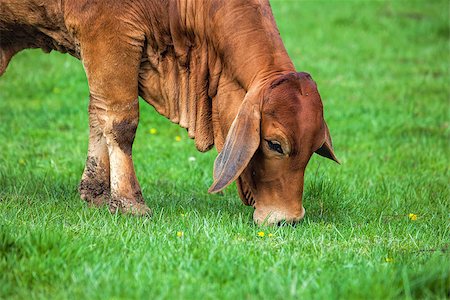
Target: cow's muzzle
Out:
[274,216]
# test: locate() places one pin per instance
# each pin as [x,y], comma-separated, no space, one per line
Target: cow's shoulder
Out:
[84,14]
[99,17]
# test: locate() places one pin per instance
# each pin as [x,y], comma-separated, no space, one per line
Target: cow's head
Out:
[269,144]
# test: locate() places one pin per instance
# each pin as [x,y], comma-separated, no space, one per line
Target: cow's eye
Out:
[275,146]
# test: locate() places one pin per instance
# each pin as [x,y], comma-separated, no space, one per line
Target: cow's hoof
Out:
[95,193]
[129,207]
[94,186]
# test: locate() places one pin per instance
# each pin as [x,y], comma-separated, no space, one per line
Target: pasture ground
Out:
[376,227]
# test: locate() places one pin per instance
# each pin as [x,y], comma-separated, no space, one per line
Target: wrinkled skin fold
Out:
[217,68]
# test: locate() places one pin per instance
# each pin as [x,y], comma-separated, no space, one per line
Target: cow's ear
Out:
[241,143]
[326,150]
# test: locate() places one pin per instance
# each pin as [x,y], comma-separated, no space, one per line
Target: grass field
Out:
[376,226]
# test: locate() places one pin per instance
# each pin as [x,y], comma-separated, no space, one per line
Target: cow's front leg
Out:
[120,129]
[95,182]
[111,58]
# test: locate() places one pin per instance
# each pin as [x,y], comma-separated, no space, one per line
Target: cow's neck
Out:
[218,51]
[247,42]
[244,35]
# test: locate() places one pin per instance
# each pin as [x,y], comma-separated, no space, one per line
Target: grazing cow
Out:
[216,67]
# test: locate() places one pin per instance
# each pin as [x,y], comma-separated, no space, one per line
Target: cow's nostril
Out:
[291,224]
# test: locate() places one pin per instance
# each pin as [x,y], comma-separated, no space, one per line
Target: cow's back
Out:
[32,24]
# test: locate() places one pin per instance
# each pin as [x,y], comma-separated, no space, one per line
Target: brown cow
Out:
[215,67]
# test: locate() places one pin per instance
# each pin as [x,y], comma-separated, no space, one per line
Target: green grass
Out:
[383,71]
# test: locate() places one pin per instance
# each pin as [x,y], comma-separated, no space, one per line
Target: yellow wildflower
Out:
[261,234]
[270,235]
[388,259]
[412,217]
[180,233]
[153,131]
[178,138]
